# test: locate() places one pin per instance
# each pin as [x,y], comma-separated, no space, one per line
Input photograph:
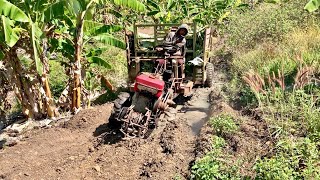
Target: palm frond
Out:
[98,61]
[13,12]
[110,40]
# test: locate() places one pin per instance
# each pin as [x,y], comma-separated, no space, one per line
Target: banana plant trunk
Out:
[76,89]
[4,90]
[26,88]
[49,105]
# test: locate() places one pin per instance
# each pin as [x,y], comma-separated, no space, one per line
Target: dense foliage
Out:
[275,74]
[55,54]
[76,33]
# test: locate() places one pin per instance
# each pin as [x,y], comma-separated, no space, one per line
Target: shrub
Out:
[291,112]
[58,78]
[294,159]
[266,22]
[214,165]
[223,124]
[287,56]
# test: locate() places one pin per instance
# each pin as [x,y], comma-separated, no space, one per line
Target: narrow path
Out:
[198,110]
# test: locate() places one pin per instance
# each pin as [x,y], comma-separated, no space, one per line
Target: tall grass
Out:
[284,80]
[276,70]
[301,46]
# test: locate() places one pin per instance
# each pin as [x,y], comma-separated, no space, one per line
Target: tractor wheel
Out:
[209,72]
[119,103]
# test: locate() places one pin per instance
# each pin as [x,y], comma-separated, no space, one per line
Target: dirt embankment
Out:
[251,141]
[85,147]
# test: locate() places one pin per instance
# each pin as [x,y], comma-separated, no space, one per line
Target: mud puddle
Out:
[197,111]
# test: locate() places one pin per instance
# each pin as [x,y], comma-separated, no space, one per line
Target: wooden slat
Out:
[194,39]
[135,40]
[161,25]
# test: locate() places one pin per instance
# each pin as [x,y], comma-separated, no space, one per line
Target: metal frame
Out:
[155,37]
[158,29]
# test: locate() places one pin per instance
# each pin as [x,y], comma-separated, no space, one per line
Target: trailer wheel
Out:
[209,72]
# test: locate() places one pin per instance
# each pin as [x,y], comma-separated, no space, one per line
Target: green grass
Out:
[223,124]
[293,159]
[300,46]
[291,113]
[266,23]
[57,78]
[271,38]
[215,164]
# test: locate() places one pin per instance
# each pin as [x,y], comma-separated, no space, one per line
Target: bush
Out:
[118,73]
[223,124]
[294,159]
[214,165]
[281,33]
[287,56]
[292,113]
[266,22]
[57,78]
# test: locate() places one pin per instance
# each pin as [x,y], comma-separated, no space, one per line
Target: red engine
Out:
[150,84]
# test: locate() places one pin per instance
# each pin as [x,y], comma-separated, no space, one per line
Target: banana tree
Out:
[205,12]
[24,29]
[312,5]
[165,12]
[214,11]
[82,11]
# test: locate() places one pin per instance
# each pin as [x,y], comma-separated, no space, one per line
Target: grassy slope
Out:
[285,39]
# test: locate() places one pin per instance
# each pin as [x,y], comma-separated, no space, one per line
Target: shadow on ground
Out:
[109,133]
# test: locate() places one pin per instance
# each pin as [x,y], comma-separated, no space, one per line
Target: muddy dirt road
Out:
[86,148]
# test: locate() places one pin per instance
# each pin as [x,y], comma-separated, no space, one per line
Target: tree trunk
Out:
[76,89]
[26,89]
[49,105]
[4,90]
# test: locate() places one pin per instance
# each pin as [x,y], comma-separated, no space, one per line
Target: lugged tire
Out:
[119,103]
[209,72]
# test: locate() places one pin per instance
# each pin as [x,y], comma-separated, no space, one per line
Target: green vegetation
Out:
[272,22]
[294,159]
[223,124]
[216,164]
[58,78]
[275,73]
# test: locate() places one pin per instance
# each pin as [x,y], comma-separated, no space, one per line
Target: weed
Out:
[214,165]
[294,159]
[291,112]
[223,124]
[177,177]
[272,22]
[58,78]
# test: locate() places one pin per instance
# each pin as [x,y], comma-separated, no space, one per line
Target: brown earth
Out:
[86,148]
